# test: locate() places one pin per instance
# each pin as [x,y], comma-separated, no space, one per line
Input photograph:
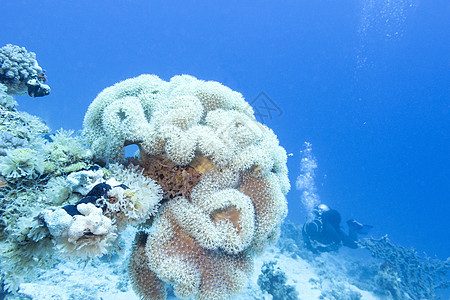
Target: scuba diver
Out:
[324,234]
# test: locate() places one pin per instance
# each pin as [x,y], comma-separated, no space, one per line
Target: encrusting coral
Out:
[223,177]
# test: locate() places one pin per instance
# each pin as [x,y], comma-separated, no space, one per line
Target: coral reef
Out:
[223,177]
[10,142]
[65,154]
[21,162]
[274,282]
[21,73]
[18,129]
[29,183]
[87,234]
[206,189]
[137,203]
[7,102]
[89,227]
[144,280]
[174,180]
[402,274]
[405,274]
[25,149]
[86,229]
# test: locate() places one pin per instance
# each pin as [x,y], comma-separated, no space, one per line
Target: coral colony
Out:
[205,193]
[223,177]
[206,188]
[20,72]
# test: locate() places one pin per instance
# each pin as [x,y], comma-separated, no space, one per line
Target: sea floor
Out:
[324,277]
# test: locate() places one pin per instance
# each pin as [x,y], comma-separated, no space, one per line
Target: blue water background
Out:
[365,82]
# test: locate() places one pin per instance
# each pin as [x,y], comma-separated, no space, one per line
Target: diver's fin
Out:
[358,227]
[365,229]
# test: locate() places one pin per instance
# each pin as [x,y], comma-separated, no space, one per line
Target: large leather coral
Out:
[223,176]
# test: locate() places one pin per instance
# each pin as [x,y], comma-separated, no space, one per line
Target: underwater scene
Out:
[249,150]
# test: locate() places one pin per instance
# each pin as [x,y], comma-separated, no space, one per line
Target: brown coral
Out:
[145,282]
[174,180]
[269,204]
[193,270]
[231,214]
[202,246]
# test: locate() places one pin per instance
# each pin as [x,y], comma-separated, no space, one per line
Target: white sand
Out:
[108,280]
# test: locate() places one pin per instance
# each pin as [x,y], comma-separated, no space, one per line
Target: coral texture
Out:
[20,72]
[24,243]
[223,177]
[7,102]
[87,234]
[21,162]
[134,205]
[89,227]
[29,183]
[145,282]
[405,274]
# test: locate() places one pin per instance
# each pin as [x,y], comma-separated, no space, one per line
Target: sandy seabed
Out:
[107,278]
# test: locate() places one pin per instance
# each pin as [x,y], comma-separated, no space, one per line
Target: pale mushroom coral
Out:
[121,115]
[144,281]
[222,177]
[195,271]
[161,117]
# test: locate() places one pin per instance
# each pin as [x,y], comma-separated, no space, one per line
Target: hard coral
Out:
[88,228]
[19,71]
[21,162]
[223,176]
[273,281]
[405,274]
[86,235]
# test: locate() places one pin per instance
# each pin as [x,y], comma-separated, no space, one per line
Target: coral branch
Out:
[404,272]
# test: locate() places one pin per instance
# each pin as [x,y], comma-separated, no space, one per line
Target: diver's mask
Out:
[320,209]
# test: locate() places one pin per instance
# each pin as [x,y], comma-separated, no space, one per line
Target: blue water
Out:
[365,82]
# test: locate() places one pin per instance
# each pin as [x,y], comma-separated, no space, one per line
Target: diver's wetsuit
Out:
[324,234]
